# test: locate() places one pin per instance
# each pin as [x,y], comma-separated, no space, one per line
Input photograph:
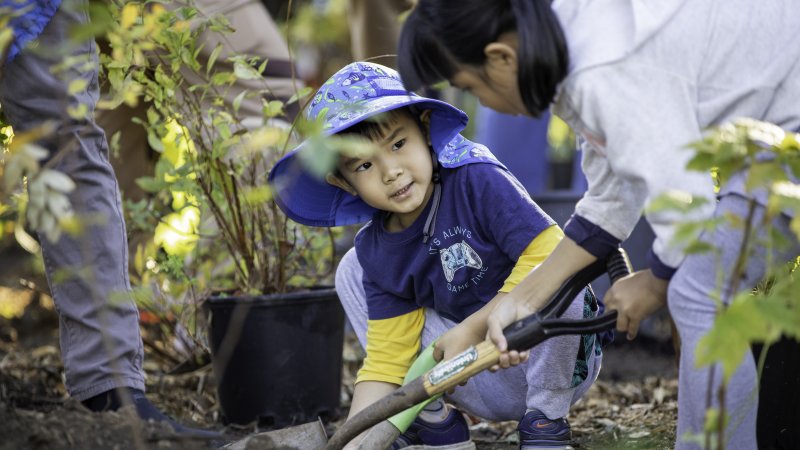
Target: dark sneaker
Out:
[536,432]
[116,398]
[452,433]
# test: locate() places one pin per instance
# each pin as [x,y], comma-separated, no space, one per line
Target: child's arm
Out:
[367,393]
[392,344]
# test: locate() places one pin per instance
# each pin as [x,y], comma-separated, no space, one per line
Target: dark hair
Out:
[374,128]
[438,35]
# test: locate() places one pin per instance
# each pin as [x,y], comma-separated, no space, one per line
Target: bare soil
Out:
[632,405]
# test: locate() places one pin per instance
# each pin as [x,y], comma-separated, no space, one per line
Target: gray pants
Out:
[545,382]
[88,276]
[690,303]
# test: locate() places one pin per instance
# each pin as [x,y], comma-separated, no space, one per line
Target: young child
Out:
[450,231]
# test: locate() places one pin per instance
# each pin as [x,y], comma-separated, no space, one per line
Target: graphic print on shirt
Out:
[459,256]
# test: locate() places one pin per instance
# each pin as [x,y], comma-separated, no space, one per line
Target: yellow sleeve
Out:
[392,345]
[537,251]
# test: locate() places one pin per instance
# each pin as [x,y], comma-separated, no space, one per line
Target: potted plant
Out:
[276,338]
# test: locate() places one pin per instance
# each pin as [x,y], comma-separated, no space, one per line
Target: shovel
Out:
[520,335]
[299,437]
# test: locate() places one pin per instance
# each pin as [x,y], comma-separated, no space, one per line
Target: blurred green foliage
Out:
[768,155]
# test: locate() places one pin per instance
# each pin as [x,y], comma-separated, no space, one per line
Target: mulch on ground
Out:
[629,407]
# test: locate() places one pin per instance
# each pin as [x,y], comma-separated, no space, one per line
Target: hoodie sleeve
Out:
[637,121]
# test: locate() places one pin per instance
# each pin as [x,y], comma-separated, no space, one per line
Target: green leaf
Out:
[698,247]
[237,101]
[154,141]
[790,143]
[151,184]
[77,85]
[763,174]
[223,78]
[781,311]
[734,329]
[78,112]
[114,143]
[302,92]
[245,72]
[701,162]
[262,66]
[272,108]
[794,166]
[213,57]
[795,226]
[678,201]
[257,195]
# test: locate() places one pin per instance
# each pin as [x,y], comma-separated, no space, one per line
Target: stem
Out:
[709,390]
[220,218]
[741,260]
[238,214]
[236,232]
[288,44]
[732,288]
[721,417]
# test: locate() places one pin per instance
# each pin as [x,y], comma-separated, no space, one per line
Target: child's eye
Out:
[363,167]
[397,145]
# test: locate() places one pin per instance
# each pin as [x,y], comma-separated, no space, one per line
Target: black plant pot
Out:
[277,359]
[779,396]
[560,174]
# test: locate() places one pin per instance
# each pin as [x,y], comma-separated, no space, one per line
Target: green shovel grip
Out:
[422,364]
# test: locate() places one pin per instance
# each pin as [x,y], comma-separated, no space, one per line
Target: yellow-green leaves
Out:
[77,85]
[176,233]
[765,155]
[762,148]
[243,70]
[129,15]
[735,328]
[213,58]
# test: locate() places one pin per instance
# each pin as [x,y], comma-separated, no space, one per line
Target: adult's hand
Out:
[532,293]
[636,297]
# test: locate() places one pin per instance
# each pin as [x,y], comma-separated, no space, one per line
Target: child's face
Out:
[396,177]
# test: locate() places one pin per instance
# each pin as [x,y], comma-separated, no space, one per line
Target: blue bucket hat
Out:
[357,92]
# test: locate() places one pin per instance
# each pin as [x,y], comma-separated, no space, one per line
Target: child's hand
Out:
[636,297]
[507,311]
[455,341]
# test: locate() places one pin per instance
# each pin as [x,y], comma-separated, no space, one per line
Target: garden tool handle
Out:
[530,331]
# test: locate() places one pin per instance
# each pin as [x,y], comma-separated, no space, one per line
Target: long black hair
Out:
[439,35]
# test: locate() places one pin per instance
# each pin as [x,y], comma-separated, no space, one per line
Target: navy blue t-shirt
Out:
[485,221]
